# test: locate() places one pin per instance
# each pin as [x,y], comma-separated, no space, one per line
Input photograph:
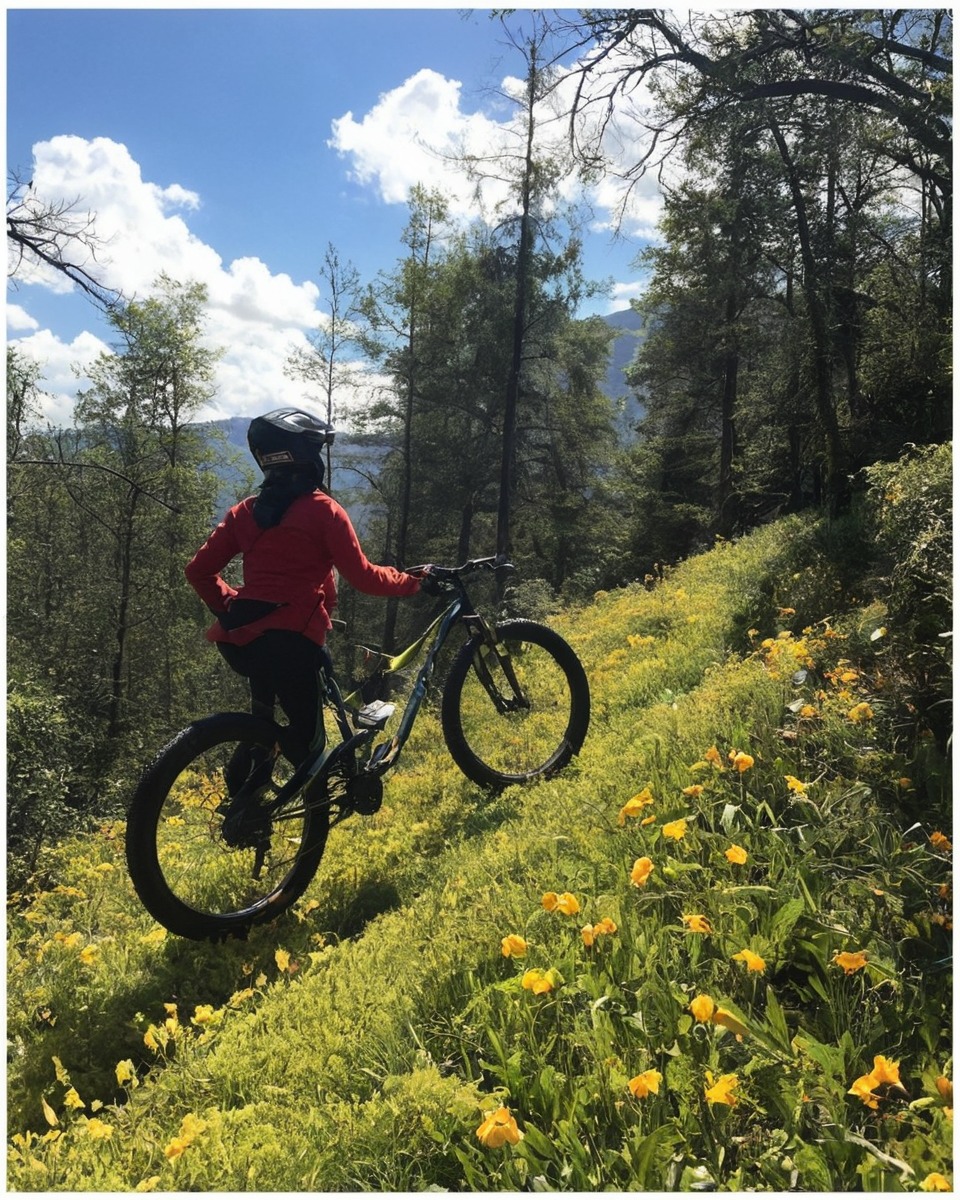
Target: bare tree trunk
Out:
[509,448]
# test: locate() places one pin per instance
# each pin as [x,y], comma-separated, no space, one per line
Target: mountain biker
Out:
[291,536]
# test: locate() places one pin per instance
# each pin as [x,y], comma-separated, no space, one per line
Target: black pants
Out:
[285,666]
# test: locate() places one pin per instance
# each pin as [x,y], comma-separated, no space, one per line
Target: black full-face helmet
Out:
[289,437]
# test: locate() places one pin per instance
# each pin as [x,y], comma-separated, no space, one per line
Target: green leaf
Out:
[644,1155]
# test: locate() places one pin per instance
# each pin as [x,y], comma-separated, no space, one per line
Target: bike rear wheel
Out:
[193,879]
[518,715]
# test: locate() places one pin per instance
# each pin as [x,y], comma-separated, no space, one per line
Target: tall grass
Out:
[748,740]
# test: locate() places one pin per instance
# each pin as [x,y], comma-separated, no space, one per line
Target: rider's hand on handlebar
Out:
[430,585]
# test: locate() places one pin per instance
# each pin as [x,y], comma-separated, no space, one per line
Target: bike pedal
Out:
[381,755]
[374,715]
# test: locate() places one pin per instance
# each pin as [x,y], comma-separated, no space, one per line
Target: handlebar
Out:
[470,567]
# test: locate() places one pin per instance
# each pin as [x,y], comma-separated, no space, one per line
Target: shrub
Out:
[38,772]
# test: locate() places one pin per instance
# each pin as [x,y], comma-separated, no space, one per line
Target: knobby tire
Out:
[186,874]
[496,749]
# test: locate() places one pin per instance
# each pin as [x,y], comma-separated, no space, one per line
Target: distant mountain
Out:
[625,346]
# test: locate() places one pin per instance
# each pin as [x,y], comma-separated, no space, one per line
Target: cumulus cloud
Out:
[415,134]
[18,318]
[419,132]
[64,367]
[258,317]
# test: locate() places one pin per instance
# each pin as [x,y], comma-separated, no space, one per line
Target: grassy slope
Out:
[356,1044]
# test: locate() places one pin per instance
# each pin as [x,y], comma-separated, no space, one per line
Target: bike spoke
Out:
[515,726]
[197,861]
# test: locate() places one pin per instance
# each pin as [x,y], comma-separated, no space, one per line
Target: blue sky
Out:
[232,145]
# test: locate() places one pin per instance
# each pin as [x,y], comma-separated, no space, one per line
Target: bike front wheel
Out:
[517,711]
[198,875]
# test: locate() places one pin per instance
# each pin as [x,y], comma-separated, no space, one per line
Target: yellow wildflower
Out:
[89,954]
[565,903]
[590,933]
[935,1182]
[498,1128]
[641,872]
[945,1088]
[513,946]
[885,1071]
[635,805]
[702,1008]
[860,712]
[203,1014]
[647,821]
[675,829]
[98,1129]
[753,962]
[862,1088]
[712,756]
[694,790]
[72,1099]
[126,1073]
[721,1091]
[851,960]
[741,761]
[282,959]
[729,1021]
[697,923]
[940,841]
[643,1084]
[540,982]
[794,785]
[787,612]
[190,1127]
[736,854]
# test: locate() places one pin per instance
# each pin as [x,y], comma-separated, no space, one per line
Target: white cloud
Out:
[63,366]
[415,133]
[256,315]
[623,293]
[18,318]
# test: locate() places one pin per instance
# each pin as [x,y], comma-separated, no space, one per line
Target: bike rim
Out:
[524,742]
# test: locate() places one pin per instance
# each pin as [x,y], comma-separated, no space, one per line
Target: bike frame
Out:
[460,609]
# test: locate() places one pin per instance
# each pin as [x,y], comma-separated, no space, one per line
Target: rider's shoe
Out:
[249,768]
[245,823]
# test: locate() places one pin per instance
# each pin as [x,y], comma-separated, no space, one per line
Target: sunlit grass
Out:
[763,1004]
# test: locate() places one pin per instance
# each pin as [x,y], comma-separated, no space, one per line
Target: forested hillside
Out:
[713,953]
[741,974]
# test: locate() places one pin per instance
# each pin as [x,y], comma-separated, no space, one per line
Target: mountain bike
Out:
[223,833]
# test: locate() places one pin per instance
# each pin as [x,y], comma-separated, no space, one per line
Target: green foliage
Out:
[101,520]
[361,1042]
[41,752]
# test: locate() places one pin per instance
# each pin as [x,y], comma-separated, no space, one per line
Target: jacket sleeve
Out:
[355,567]
[203,570]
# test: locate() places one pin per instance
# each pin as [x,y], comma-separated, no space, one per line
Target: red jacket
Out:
[290,564]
